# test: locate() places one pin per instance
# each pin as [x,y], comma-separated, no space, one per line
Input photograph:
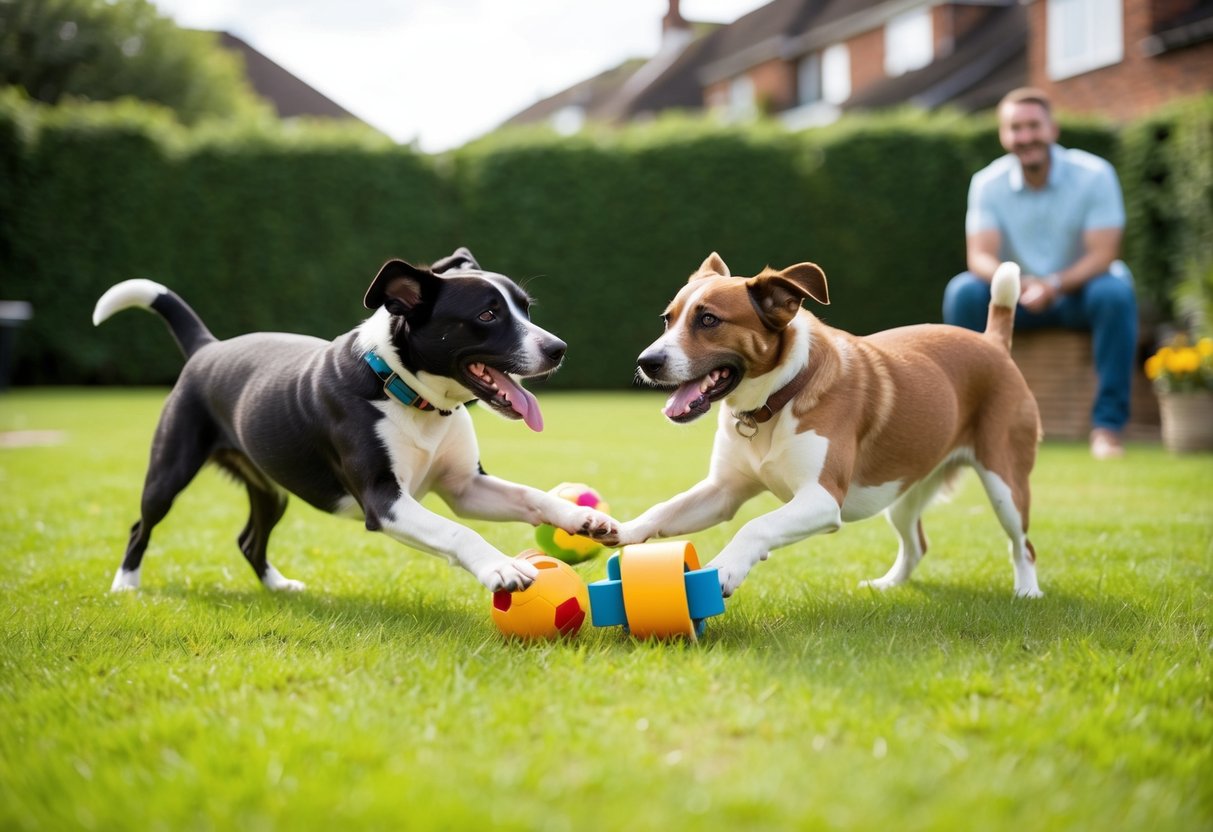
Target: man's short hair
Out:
[1027,95]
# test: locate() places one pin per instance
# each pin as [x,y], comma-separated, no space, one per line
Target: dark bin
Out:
[13,313]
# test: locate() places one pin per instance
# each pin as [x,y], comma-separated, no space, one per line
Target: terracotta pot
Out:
[1187,421]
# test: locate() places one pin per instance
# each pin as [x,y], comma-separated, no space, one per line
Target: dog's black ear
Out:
[712,266]
[777,295]
[400,286]
[460,258]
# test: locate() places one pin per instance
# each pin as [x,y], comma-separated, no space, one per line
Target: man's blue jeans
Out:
[1105,305]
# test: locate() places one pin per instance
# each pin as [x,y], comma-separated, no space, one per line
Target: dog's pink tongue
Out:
[680,401]
[520,399]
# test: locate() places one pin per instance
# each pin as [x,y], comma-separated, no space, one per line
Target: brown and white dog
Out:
[838,427]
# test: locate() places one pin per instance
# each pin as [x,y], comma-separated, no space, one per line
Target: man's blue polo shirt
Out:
[1042,229]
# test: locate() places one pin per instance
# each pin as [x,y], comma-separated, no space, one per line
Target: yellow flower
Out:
[1173,360]
[1154,366]
[1189,360]
[1182,365]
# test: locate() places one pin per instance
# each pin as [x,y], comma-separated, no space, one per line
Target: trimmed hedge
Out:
[256,232]
[283,230]
[1167,171]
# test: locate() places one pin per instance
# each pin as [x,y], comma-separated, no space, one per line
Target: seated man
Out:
[1058,213]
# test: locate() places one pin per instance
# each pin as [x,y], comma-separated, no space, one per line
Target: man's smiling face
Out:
[1027,130]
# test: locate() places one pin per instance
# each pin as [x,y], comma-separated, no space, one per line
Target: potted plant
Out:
[1182,373]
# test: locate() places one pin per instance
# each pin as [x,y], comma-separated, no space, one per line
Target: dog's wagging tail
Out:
[183,322]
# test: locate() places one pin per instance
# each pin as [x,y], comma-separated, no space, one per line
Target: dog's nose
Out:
[554,349]
[651,361]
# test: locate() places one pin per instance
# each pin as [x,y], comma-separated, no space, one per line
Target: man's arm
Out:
[981,252]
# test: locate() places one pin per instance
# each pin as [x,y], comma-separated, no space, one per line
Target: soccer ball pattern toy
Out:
[571,548]
[555,604]
[657,590]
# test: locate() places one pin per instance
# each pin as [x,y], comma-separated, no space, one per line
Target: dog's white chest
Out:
[413,442]
[785,462]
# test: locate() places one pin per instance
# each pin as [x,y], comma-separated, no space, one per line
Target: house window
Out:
[909,42]
[1084,35]
[568,120]
[808,79]
[836,74]
[741,97]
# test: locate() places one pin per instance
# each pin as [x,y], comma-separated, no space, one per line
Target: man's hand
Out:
[1036,295]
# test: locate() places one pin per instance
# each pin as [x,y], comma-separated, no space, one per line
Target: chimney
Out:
[675,31]
[673,20]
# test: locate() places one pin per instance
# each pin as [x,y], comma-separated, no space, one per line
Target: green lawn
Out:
[384,698]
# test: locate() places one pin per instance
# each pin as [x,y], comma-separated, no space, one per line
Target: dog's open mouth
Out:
[503,394]
[694,398]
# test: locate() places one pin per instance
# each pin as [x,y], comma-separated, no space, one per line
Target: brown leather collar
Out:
[748,422]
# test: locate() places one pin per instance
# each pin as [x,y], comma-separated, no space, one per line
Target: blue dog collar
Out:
[394,385]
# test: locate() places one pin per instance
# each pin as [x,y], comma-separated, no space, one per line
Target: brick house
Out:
[809,61]
[1120,58]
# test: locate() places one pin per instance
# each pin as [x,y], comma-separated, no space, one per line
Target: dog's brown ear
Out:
[713,266]
[777,295]
[811,279]
[399,286]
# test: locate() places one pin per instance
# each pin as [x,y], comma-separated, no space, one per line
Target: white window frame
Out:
[568,120]
[909,41]
[1083,35]
[742,97]
[836,73]
[808,79]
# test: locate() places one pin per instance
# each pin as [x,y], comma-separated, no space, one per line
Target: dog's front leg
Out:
[486,497]
[812,511]
[705,504]
[409,522]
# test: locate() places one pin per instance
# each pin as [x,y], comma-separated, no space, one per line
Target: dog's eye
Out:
[488,315]
[708,319]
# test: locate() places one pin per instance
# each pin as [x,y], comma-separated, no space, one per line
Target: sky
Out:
[439,73]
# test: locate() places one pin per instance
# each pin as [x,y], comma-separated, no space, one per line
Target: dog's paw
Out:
[125,581]
[625,534]
[731,572]
[275,581]
[509,574]
[880,583]
[593,524]
[1029,592]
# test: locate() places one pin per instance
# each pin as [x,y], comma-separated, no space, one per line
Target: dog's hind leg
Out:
[1011,501]
[905,516]
[266,507]
[267,504]
[180,448]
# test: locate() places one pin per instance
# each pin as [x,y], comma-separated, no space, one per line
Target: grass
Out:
[383,697]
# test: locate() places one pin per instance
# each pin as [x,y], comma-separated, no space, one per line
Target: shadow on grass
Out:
[333,619]
[918,619]
[925,618]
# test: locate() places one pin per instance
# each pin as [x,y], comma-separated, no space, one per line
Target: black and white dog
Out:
[362,426]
